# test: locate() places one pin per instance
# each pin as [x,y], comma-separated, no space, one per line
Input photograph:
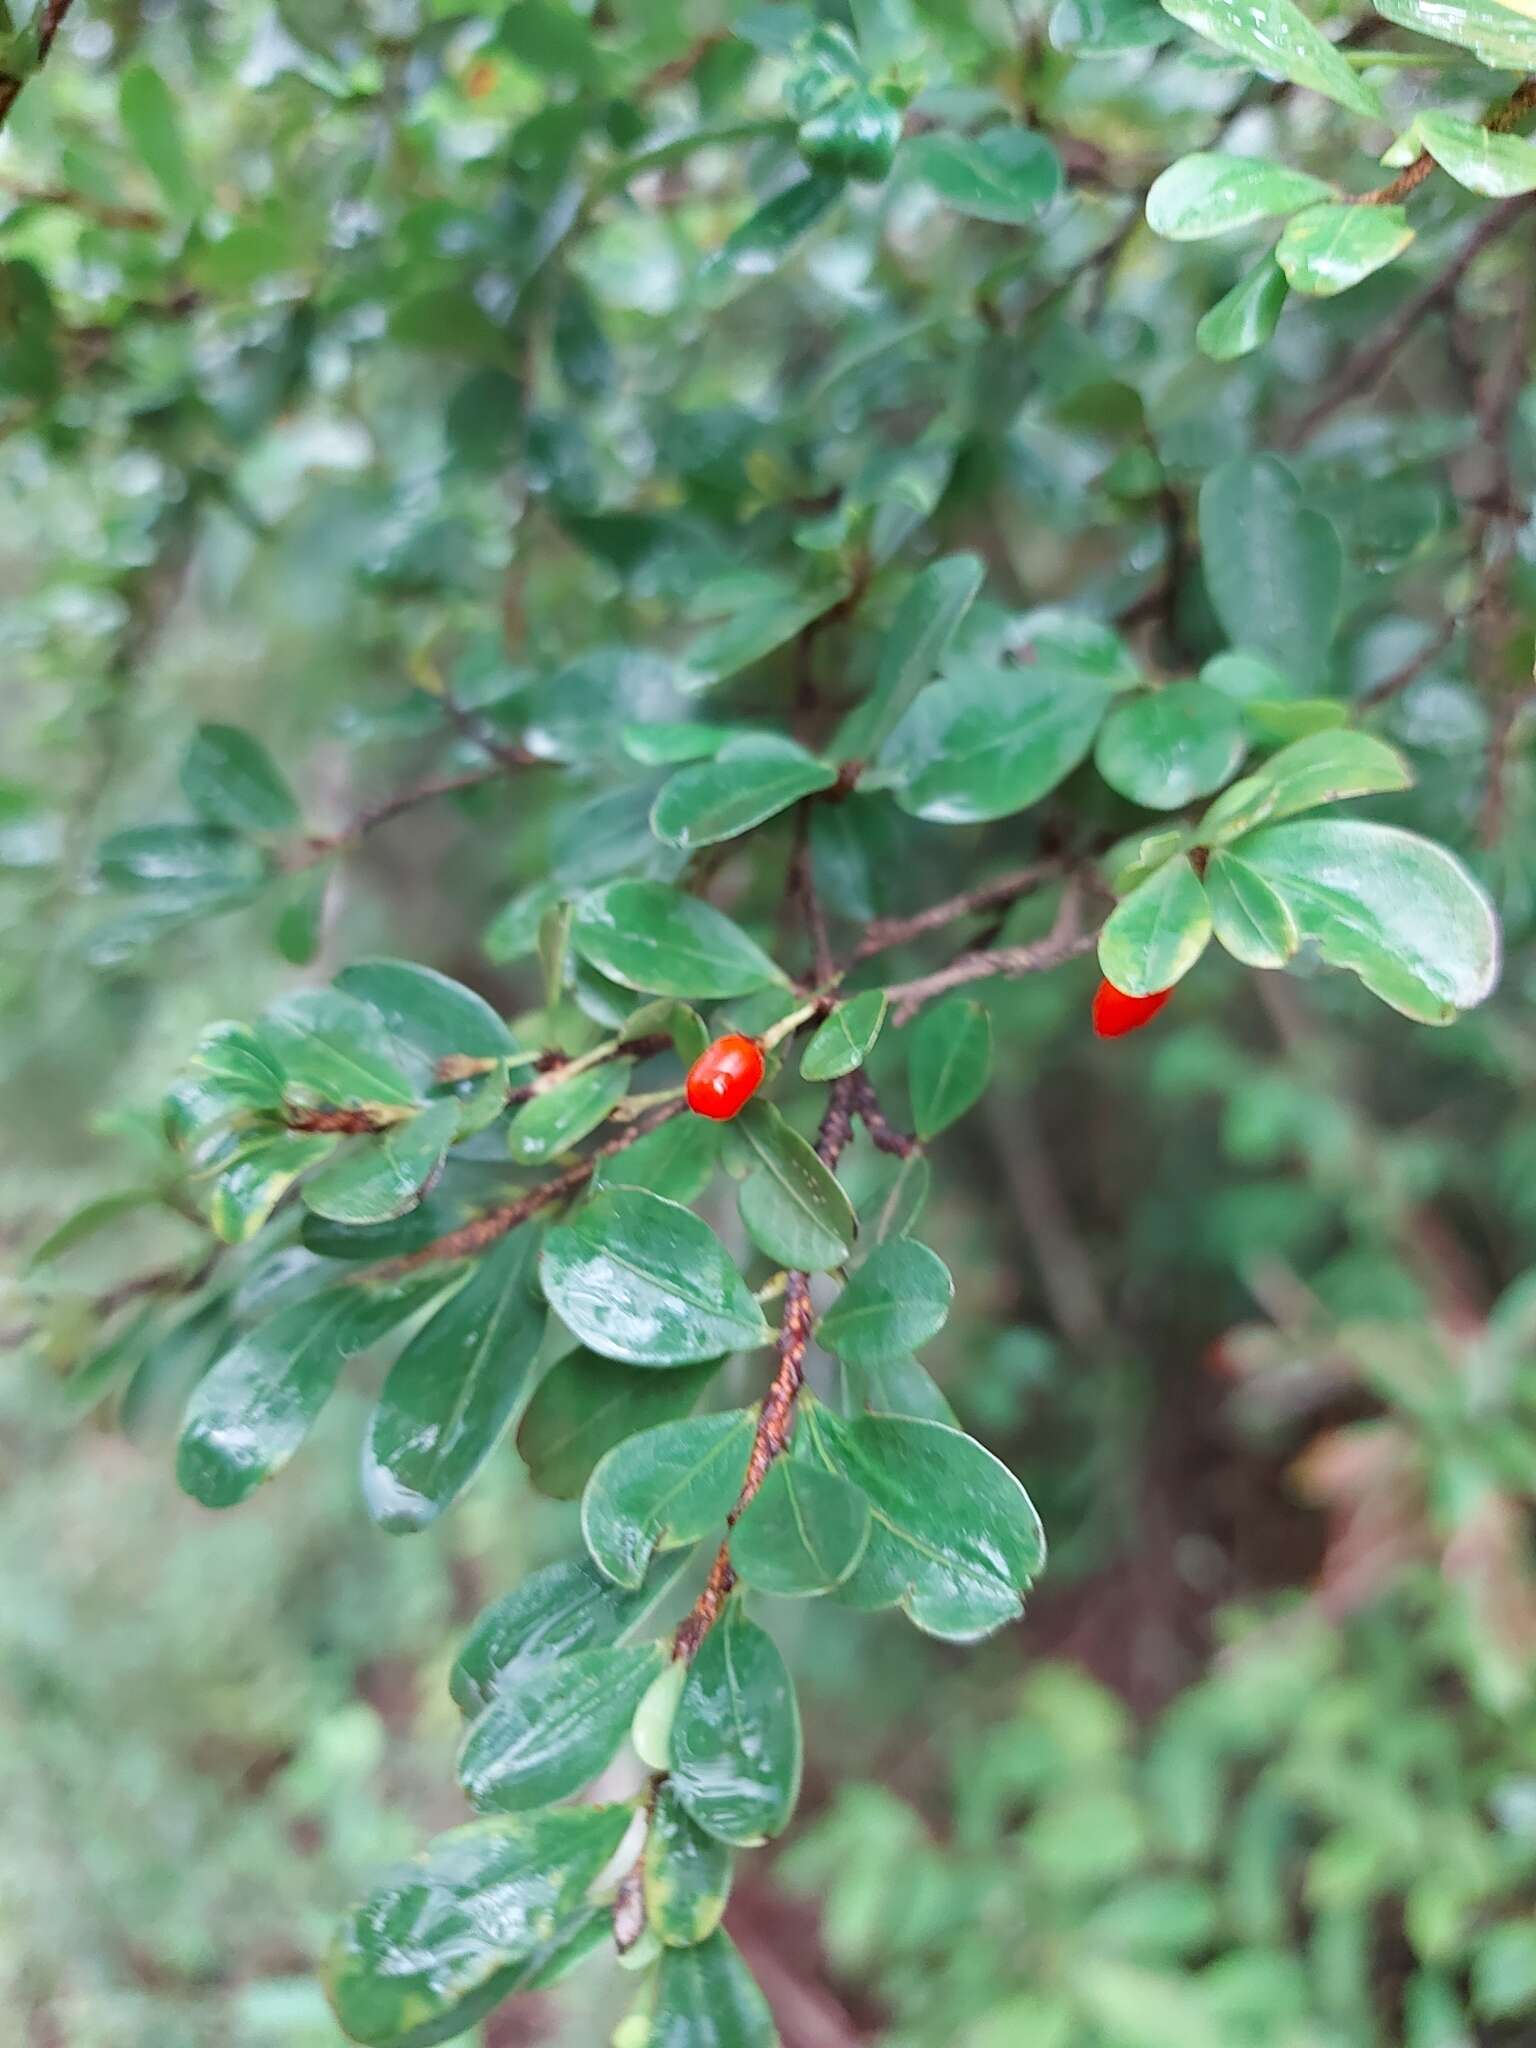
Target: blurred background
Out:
[1249,1302]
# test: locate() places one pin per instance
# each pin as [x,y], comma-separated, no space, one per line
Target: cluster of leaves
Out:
[1220,1881]
[760,330]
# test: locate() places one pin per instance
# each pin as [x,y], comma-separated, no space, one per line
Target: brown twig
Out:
[321,846]
[776,1422]
[475,1236]
[100,211]
[883,1133]
[50,20]
[1066,940]
[886,932]
[345,1122]
[1410,670]
[1498,119]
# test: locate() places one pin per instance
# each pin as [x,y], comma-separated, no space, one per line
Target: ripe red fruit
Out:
[1115,1013]
[725,1076]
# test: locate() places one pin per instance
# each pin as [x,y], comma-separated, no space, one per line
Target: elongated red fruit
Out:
[725,1076]
[1115,1013]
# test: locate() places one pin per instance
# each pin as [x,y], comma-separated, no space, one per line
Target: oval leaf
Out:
[550,1734]
[842,1042]
[1248,315]
[687,1879]
[662,942]
[564,1608]
[803,1532]
[565,1114]
[736,1748]
[229,778]
[379,1178]
[749,780]
[1329,248]
[644,1280]
[335,1048]
[792,1206]
[1166,747]
[1004,174]
[894,1303]
[1157,933]
[1277,39]
[1273,567]
[587,1404]
[664,1488]
[949,1059]
[936,601]
[706,1997]
[1210,194]
[1250,918]
[1324,768]
[985,742]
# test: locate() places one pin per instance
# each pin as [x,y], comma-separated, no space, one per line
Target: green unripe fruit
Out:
[855,137]
[829,66]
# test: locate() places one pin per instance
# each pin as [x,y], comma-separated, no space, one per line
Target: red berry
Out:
[1115,1013]
[725,1076]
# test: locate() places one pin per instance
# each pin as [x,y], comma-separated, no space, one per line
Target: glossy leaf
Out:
[334,1048]
[842,1042]
[894,1303]
[556,1612]
[1273,567]
[687,1880]
[1324,768]
[935,602]
[550,1733]
[454,1389]
[954,1540]
[1210,194]
[803,1533]
[1497,166]
[259,1401]
[1397,910]
[586,1404]
[1157,933]
[985,742]
[1504,37]
[644,1280]
[706,1997]
[255,1181]
[1004,174]
[229,778]
[428,1015]
[665,746]
[441,1941]
[1248,916]
[565,1114]
[656,939]
[1277,39]
[767,237]
[748,781]
[187,868]
[678,1160]
[793,1208]
[949,1062]
[736,1748]
[1246,318]
[1165,747]
[1328,249]
[380,1177]
[664,1488]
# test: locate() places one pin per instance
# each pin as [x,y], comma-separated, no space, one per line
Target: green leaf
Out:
[954,1540]
[1166,747]
[913,646]
[901,1199]
[985,742]
[258,1402]
[428,1015]
[586,1405]
[767,237]
[1210,193]
[183,867]
[1005,174]
[454,1389]
[677,1161]
[664,746]
[736,1740]
[949,1060]
[1273,567]
[1397,910]
[1249,917]
[1497,166]
[1328,249]
[564,1608]
[442,1940]
[381,1177]
[660,941]
[90,1218]
[253,1183]
[1504,1971]
[706,1997]
[803,1533]
[756,628]
[565,1114]
[663,1489]
[149,114]
[1157,933]
[1324,768]
[749,780]
[550,1734]
[300,920]
[792,1206]
[687,1880]
[894,1303]
[229,778]
[645,1280]
[1277,39]
[513,932]
[900,1386]
[1500,36]
[237,1060]
[843,1041]
[1246,318]
[334,1048]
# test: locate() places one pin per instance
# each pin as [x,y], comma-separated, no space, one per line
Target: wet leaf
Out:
[550,1733]
[803,1533]
[664,1488]
[736,1748]
[842,1042]
[894,1303]
[687,1879]
[586,1404]
[656,939]
[791,1204]
[378,1178]
[1157,933]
